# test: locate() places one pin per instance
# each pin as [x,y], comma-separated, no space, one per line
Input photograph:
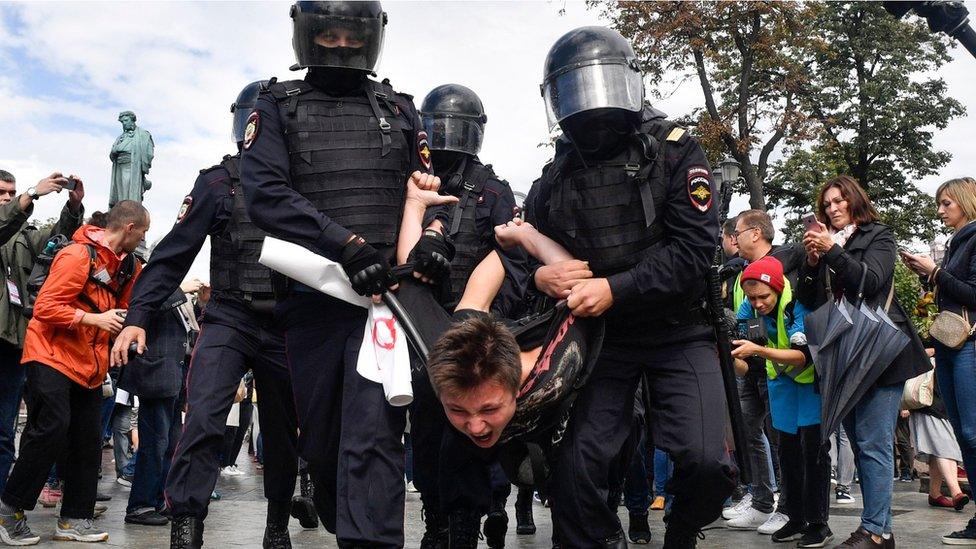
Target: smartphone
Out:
[810,222]
[71,184]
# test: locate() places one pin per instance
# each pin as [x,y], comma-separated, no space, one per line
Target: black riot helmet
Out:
[242,107]
[339,34]
[591,68]
[454,119]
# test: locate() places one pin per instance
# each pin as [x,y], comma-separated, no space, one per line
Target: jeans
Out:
[12,376]
[662,474]
[159,429]
[956,376]
[637,492]
[842,456]
[62,422]
[871,428]
[408,457]
[754,399]
[121,443]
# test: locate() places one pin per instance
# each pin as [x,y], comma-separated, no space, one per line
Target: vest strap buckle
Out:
[293,91]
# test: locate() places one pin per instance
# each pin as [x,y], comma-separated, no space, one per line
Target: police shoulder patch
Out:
[251,129]
[700,188]
[184,208]
[423,149]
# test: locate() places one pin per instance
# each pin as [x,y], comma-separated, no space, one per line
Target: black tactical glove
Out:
[432,255]
[368,271]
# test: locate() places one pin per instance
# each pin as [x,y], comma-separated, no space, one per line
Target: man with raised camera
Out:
[79,307]
[21,242]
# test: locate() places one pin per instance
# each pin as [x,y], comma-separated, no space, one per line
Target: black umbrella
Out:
[888,344]
[860,356]
[823,328]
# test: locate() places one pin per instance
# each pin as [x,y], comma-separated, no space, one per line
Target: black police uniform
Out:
[318,169]
[648,227]
[238,333]
[485,202]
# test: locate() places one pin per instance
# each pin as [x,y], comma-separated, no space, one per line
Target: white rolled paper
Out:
[309,268]
[383,356]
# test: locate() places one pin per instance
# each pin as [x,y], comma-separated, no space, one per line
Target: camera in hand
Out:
[752,329]
[71,184]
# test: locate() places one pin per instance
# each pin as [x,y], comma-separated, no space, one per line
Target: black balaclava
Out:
[445,161]
[335,80]
[600,133]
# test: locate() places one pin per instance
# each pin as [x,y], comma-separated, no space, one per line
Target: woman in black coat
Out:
[851,238]
[955,283]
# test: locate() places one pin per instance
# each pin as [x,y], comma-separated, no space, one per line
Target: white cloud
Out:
[180,65]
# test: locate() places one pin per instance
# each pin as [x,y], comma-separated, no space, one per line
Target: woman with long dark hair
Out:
[851,242]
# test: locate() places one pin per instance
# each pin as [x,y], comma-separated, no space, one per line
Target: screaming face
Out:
[480,413]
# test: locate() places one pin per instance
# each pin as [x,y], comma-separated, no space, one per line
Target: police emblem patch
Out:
[184,208]
[423,149]
[251,129]
[699,189]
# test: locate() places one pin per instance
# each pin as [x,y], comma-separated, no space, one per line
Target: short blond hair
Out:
[962,191]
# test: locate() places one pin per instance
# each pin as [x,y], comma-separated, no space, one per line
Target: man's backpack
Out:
[42,268]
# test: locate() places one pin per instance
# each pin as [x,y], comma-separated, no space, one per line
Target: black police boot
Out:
[435,530]
[186,533]
[463,529]
[638,530]
[496,526]
[302,506]
[276,530]
[525,525]
[616,541]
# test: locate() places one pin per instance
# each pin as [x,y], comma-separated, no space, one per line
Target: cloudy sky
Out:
[68,69]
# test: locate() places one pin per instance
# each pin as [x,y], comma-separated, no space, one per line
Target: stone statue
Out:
[131,156]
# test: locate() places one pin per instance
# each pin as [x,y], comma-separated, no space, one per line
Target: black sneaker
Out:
[638,530]
[843,496]
[816,535]
[792,530]
[102,497]
[966,536]
[679,538]
[276,537]
[146,517]
[495,528]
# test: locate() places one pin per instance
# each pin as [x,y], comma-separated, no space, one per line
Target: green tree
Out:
[748,59]
[875,115]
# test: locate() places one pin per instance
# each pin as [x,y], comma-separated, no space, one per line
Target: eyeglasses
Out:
[736,234]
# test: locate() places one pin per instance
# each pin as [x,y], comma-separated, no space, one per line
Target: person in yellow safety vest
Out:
[793,400]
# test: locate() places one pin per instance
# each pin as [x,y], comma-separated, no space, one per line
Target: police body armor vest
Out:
[234,266]
[607,212]
[348,156]
[470,246]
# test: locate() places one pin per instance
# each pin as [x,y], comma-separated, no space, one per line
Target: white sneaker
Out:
[750,519]
[231,471]
[411,488]
[730,513]
[775,521]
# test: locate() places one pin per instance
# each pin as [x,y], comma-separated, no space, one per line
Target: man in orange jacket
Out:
[80,306]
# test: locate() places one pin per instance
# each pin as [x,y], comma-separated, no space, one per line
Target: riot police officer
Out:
[454,119]
[326,163]
[238,333]
[631,193]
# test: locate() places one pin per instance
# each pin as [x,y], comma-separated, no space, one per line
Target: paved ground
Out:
[238,521]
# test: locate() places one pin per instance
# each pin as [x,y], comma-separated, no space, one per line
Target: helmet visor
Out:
[337,41]
[596,86]
[449,133]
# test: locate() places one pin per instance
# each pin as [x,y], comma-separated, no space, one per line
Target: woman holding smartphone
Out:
[955,283]
[849,238]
